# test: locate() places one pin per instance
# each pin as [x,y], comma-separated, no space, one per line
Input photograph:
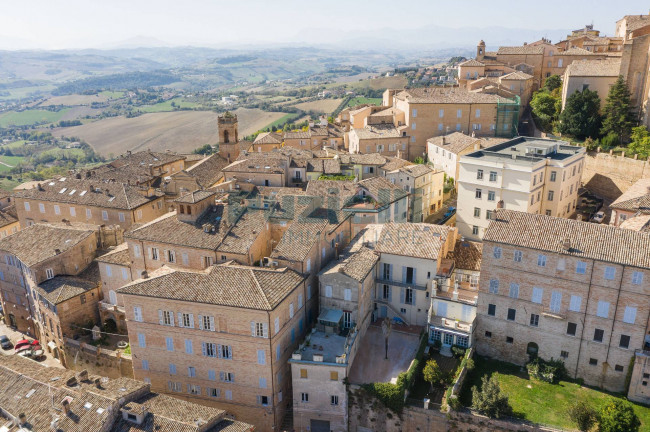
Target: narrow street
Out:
[14,336]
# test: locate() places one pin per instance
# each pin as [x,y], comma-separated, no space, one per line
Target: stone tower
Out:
[480,51]
[228,136]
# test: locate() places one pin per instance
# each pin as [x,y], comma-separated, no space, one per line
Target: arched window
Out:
[226,138]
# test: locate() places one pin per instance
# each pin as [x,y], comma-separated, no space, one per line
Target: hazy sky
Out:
[101,23]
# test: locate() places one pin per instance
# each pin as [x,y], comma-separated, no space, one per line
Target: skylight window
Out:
[63,190]
[83,193]
[72,191]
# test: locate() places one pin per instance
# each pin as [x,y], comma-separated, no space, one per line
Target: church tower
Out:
[480,51]
[228,136]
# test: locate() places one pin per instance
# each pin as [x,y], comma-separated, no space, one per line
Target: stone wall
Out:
[97,361]
[608,175]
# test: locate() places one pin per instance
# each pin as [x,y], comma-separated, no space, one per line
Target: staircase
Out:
[393,310]
[287,421]
[445,351]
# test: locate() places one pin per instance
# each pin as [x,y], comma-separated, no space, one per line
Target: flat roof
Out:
[528,150]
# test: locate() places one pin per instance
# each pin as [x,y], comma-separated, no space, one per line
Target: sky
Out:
[66,24]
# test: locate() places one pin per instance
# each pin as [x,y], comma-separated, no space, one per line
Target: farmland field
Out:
[8,162]
[166,106]
[78,99]
[322,105]
[181,131]
[30,117]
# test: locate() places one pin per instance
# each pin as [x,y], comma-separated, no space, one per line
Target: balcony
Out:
[400,284]
[450,324]
[104,305]
[459,295]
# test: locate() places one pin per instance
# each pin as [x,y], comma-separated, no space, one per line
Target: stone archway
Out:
[110,325]
[12,320]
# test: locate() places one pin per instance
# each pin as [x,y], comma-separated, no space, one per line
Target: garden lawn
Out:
[359,100]
[538,401]
[30,117]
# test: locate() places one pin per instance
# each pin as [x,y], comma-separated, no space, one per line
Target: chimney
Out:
[98,383]
[91,188]
[500,204]
[22,419]
[83,375]
[144,274]
[65,404]
[566,244]
[444,140]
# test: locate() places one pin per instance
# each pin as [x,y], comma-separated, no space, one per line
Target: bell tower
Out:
[228,136]
[480,51]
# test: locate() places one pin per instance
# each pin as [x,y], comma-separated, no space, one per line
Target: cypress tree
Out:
[618,118]
[581,115]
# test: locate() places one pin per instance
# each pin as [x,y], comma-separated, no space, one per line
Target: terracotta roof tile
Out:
[418,240]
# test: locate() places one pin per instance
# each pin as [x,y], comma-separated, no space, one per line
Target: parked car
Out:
[598,217]
[5,343]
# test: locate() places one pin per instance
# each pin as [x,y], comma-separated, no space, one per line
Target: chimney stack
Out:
[83,375]
[22,419]
[65,404]
[98,383]
[500,204]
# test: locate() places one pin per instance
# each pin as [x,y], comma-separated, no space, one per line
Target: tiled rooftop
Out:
[39,242]
[382,190]
[118,255]
[378,131]
[446,95]
[587,240]
[604,67]
[62,288]
[418,240]
[209,170]
[467,255]
[636,198]
[454,142]
[259,288]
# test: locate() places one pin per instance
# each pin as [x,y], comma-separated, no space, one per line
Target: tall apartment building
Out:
[220,337]
[564,289]
[430,112]
[525,174]
[425,187]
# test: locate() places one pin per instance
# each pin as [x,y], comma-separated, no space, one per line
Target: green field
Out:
[538,401]
[282,120]
[167,106]
[112,94]
[360,100]
[15,144]
[30,117]
[66,152]
[9,160]
[8,185]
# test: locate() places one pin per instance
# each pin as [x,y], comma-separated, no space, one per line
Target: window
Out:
[334,400]
[514,290]
[408,296]
[225,352]
[575,303]
[49,273]
[491,196]
[477,212]
[474,230]
[571,329]
[209,349]
[309,264]
[537,295]
[142,343]
[154,253]
[41,207]
[137,313]
[459,113]
[556,301]
[624,342]
[489,214]
[581,267]
[593,361]
[27,208]
[57,209]
[637,278]
[493,176]
[610,272]
[441,113]
[488,334]
[166,317]
[479,174]
[259,330]
[171,256]
[304,397]
[304,374]
[492,310]
[334,376]
[415,112]
[517,256]
[191,371]
[509,339]
[630,315]
[603,309]
[494,286]
[618,368]
[347,294]
[299,301]
[104,215]
[174,386]
[550,195]
[564,354]
[206,323]
[598,335]
[561,264]
[328,291]
[534,320]
[169,343]
[478,194]
[541,260]
[213,392]
[291,310]
[261,357]
[227,376]
[263,400]
[512,313]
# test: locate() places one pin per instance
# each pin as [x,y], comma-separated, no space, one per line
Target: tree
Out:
[581,115]
[489,400]
[544,110]
[553,82]
[418,160]
[432,373]
[583,415]
[640,142]
[617,115]
[618,416]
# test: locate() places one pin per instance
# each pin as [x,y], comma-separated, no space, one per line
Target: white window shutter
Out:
[221,376]
[212,326]
[180,319]
[253,328]
[165,255]
[266,329]
[191,320]
[171,317]
[203,349]
[160,317]
[200,322]
[219,351]
[149,252]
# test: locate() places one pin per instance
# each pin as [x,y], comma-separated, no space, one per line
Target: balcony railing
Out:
[400,284]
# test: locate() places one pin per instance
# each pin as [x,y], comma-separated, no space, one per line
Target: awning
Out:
[332,316]
[448,330]
[51,345]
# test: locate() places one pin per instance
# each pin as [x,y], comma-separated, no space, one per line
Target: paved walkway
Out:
[15,336]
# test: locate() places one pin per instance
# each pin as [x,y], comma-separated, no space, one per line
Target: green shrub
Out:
[550,371]
[583,415]
[490,401]
[609,141]
[391,395]
[458,351]
[618,416]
